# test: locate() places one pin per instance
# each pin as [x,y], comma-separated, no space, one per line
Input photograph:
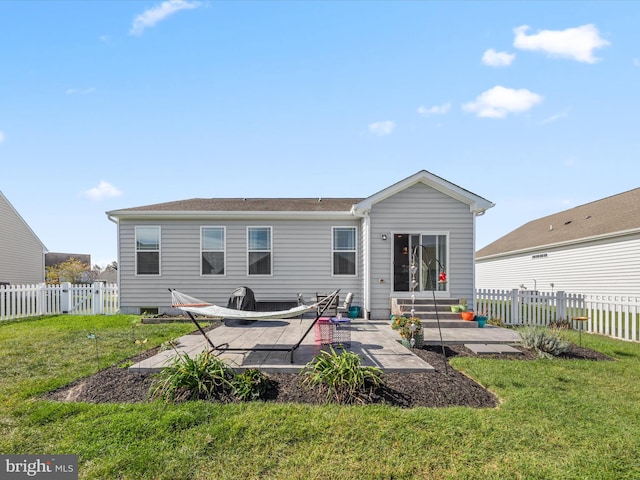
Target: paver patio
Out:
[374,340]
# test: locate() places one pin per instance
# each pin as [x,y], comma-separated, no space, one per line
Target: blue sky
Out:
[108,105]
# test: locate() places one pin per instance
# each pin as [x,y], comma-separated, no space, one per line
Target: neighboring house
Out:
[55,258]
[280,247]
[590,249]
[21,251]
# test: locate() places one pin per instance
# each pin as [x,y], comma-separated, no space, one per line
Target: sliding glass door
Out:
[419,258]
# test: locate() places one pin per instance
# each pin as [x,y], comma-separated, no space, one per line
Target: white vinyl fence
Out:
[614,316]
[20,301]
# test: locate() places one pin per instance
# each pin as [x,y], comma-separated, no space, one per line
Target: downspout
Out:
[476,213]
[473,260]
[114,220]
[367,264]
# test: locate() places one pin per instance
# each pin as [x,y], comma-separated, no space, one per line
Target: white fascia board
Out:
[594,238]
[477,204]
[231,215]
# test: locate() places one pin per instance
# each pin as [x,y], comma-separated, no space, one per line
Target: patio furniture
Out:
[333,331]
[344,308]
[341,331]
[323,331]
[332,304]
[192,305]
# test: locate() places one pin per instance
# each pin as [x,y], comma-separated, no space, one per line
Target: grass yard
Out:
[559,419]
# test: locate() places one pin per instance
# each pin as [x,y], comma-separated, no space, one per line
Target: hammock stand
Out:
[199,306]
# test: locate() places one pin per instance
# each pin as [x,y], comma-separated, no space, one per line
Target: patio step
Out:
[426,310]
[433,323]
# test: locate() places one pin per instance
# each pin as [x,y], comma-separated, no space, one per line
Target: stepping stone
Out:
[485,349]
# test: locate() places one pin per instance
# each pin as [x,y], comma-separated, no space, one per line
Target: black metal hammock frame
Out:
[322,306]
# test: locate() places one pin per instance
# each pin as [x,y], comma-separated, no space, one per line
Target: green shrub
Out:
[496,322]
[203,377]
[342,375]
[250,385]
[560,324]
[546,342]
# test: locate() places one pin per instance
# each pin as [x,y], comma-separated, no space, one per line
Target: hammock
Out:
[193,305]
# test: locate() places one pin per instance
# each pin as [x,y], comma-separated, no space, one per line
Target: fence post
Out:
[515,307]
[561,305]
[41,302]
[97,305]
[65,297]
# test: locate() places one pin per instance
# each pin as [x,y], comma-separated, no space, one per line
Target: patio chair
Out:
[344,308]
[334,302]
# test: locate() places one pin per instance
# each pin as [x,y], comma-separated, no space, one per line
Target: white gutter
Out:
[171,215]
[367,264]
[115,220]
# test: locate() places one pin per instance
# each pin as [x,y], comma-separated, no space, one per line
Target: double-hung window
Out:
[212,245]
[147,250]
[259,252]
[344,250]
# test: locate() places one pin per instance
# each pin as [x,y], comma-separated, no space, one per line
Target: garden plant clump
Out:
[548,343]
[206,377]
[342,376]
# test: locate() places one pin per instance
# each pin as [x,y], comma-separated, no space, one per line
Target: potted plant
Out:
[410,330]
[468,315]
[481,318]
[461,307]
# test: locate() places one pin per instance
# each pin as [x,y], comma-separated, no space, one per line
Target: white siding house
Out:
[280,247]
[590,249]
[21,251]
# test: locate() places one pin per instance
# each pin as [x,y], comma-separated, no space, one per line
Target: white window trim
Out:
[224,251]
[270,228]
[135,251]
[355,251]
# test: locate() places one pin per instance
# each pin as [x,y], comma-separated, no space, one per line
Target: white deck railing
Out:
[20,301]
[615,316]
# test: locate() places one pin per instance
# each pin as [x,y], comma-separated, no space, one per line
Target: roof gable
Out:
[17,215]
[609,216]
[477,204]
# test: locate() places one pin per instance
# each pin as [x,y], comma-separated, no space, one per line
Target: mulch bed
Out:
[445,387]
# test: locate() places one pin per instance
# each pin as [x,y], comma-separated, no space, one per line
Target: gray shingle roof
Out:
[251,205]
[610,215]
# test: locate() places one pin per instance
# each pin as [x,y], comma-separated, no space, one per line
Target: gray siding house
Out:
[21,251]
[280,247]
[590,249]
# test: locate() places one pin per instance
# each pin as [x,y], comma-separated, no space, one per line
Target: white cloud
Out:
[435,110]
[574,43]
[80,91]
[497,59]
[2,136]
[382,128]
[499,101]
[555,117]
[153,15]
[103,190]
[636,62]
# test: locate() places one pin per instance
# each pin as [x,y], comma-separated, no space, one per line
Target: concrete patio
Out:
[374,340]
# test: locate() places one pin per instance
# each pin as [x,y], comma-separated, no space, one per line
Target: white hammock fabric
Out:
[191,304]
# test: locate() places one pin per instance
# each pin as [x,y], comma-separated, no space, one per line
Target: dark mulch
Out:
[443,388]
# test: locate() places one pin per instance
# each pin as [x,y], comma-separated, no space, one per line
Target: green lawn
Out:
[557,420]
